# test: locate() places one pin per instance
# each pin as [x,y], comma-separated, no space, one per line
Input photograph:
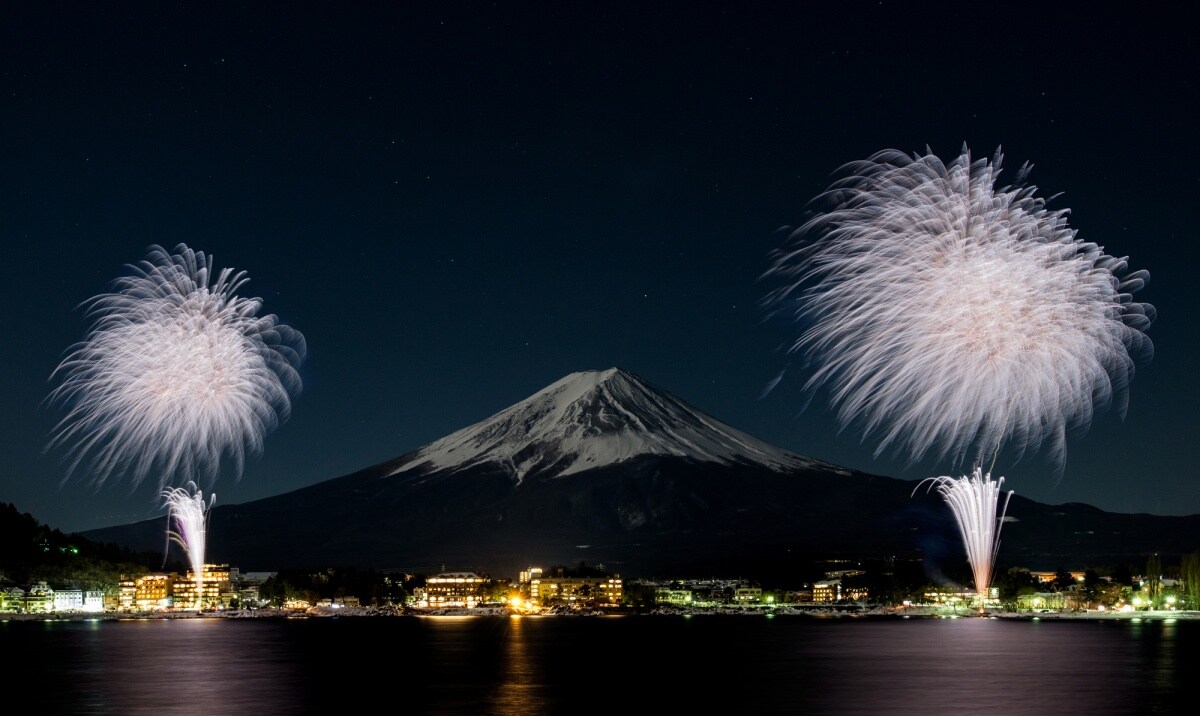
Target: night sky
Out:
[460,203]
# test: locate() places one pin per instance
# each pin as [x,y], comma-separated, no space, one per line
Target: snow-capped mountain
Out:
[603,467]
[593,419]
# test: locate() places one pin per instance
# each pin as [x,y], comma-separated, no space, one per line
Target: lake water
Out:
[615,665]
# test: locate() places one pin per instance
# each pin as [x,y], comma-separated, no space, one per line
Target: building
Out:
[798,596]
[39,599]
[73,599]
[604,591]
[153,591]
[827,591]
[247,585]
[215,588]
[677,597]
[12,599]
[1042,601]
[455,589]
[747,594]
[1048,577]
[126,594]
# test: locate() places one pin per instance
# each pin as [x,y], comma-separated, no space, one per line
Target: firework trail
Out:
[953,317]
[189,513]
[176,373]
[975,502]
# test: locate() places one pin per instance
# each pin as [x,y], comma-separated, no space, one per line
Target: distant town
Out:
[536,590]
[45,573]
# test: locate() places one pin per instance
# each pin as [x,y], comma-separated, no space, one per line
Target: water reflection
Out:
[998,667]
[566,665]
[518,690]
[182,666]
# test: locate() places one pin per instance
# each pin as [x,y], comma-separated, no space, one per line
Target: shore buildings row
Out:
[220,586]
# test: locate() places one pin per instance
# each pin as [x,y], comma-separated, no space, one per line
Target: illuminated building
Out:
[153,591]
[126,594]
[215,588]
[78,600]
[1047,577]
[827,592]
[747,594]
[39,599]
[1042,601]
[455,589]
[856,593]
[606,591]
[678,597]
[12,599]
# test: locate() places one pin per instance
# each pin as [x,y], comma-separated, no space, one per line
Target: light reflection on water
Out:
[1000,666]
[518,689]
[537,666]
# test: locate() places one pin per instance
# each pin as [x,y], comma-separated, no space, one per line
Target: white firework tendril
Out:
[188,512]
[975,502]
[176,373]
[953,317]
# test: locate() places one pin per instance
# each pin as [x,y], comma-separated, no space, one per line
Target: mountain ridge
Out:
[601,466]
[590,419]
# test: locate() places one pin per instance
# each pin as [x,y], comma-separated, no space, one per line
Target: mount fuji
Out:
[603,467]
[596,419]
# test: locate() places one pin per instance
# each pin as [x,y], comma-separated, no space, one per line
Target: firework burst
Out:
[975,502]
[952,317]
[176,373]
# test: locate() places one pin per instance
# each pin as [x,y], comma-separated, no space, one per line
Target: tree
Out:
[1014,583]
[1189,573]
[1063,580]
[1153,585]
[1092,584]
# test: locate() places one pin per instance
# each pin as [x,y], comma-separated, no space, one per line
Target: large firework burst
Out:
[953,317]
[176,373]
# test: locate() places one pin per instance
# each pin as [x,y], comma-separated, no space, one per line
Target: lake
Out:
[600,664]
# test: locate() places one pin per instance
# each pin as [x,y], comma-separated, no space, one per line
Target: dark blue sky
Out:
[459,203]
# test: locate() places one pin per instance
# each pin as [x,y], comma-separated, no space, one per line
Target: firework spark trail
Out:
[953,317]
[176,372]
[188,512]
[975,502]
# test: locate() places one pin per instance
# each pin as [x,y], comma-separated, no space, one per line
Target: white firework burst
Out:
[176,373]
[953,317]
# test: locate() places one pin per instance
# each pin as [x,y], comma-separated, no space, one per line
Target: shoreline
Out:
[764,612]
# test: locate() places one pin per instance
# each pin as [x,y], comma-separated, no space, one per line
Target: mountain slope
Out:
[605,468]
[595,419]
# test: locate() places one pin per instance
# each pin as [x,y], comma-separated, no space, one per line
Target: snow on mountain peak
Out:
[591,419]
